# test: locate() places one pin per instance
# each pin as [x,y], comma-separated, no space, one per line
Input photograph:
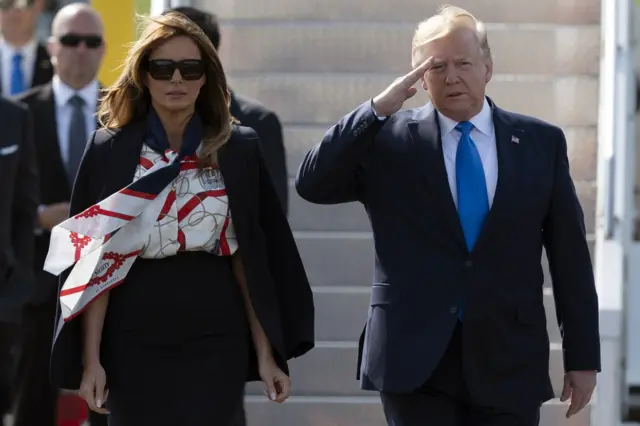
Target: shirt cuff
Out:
[379,117]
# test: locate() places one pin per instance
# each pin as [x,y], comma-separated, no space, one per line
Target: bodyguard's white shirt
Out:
[61,94]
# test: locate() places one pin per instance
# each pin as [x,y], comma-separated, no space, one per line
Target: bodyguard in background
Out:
[65,113]
[462,196]
[18,192]
[24,62]
[250,113]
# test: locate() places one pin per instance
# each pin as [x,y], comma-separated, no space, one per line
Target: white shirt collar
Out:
[62,93]
[483,121]
[28,49]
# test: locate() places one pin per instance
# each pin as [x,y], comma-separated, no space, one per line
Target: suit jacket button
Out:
[453,309]
[468,263]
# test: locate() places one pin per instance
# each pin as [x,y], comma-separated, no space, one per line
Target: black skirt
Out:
[175,343]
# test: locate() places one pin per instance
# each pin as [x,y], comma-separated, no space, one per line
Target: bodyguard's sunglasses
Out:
[163,69]
[73,40]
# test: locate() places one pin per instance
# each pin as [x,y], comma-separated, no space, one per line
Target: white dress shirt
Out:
[29,52]
[484,136]
[61,94]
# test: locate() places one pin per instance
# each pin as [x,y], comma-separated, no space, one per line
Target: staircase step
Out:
[346,259]
[331,371]
[324,98]
[582,143]
[332,411]
[341,313]
[386,48]
[305,216]
[540,11]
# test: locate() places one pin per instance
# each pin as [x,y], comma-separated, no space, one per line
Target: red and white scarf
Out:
[104,240]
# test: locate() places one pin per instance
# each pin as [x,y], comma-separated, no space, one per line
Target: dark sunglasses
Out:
[163,69]
[73,40]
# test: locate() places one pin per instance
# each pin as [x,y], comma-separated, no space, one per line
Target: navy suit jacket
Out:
[423,269]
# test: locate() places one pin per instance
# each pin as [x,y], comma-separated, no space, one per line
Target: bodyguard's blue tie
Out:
[471,186]
[17,76]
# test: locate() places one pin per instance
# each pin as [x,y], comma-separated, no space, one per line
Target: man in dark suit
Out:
[19,195]
[64,111]
[24,62]
[462,196]
[250,113]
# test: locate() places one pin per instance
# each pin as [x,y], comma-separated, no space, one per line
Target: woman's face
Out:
[175,74]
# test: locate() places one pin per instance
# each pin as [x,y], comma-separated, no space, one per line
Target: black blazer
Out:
[42,68]
[267,125]
[423,269]
[18,209]
[275,275]
[54,184]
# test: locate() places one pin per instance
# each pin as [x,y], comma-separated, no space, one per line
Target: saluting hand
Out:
[393,97]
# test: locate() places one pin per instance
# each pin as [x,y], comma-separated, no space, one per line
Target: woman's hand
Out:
[93,387]
[277,384]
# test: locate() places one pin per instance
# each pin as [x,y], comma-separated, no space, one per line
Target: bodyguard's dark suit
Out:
[266,124]
[423,269]
[18,208]
[34,386]
[261,230]
[54,184]
[42,69]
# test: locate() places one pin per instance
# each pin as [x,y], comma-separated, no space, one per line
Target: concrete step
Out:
[330,370]
[582,143]
[360,411]
[411,11]
[324,98]
[346,259]
[341,313]
[304,216]
[375,47]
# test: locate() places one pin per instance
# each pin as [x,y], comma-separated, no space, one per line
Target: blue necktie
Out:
[471,186]
[17,77]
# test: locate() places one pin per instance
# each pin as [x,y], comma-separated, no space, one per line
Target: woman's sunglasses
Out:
[163,69]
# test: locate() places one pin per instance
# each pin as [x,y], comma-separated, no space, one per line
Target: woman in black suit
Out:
[187,281]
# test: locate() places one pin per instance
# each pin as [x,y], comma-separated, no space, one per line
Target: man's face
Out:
[456,82]
[18,17]
[77,47]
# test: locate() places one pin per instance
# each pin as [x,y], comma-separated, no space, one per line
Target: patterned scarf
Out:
[104,240]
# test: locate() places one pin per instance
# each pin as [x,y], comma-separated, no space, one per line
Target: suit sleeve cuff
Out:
[379,117]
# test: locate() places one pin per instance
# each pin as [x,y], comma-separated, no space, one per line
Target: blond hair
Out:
[128,99]
[448,19]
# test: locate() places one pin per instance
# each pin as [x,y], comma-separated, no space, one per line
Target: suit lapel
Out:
[508,140]
[47,116]
[425,133]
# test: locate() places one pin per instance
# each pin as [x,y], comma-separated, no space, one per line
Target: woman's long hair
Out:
[128,100]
